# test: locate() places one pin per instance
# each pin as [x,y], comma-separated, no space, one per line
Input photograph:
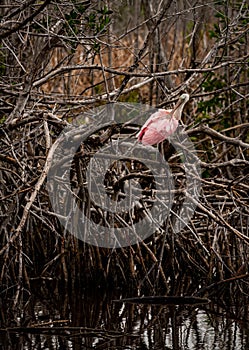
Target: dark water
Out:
[96,322]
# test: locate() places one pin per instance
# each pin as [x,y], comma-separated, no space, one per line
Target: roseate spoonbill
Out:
[162,123]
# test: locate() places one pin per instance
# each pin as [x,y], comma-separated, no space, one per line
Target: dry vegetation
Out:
[59,60]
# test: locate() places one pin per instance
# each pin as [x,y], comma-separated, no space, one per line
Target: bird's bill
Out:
[177,110]
[182,100]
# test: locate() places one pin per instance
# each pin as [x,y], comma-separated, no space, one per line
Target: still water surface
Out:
[92,322]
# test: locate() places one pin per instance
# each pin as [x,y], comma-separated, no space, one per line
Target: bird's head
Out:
[184,98]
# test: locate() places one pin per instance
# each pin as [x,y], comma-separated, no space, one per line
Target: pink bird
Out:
[162,123]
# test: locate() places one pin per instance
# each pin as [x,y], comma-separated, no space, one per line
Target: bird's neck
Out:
[177,112]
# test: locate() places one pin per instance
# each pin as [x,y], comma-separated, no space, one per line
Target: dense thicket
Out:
[59,60]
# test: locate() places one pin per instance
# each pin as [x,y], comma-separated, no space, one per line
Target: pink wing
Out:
[153,119]
[157,128]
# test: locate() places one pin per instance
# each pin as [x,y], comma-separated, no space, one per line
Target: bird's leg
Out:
[161,151]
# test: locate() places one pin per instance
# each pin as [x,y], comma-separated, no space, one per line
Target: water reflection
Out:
[95,322]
